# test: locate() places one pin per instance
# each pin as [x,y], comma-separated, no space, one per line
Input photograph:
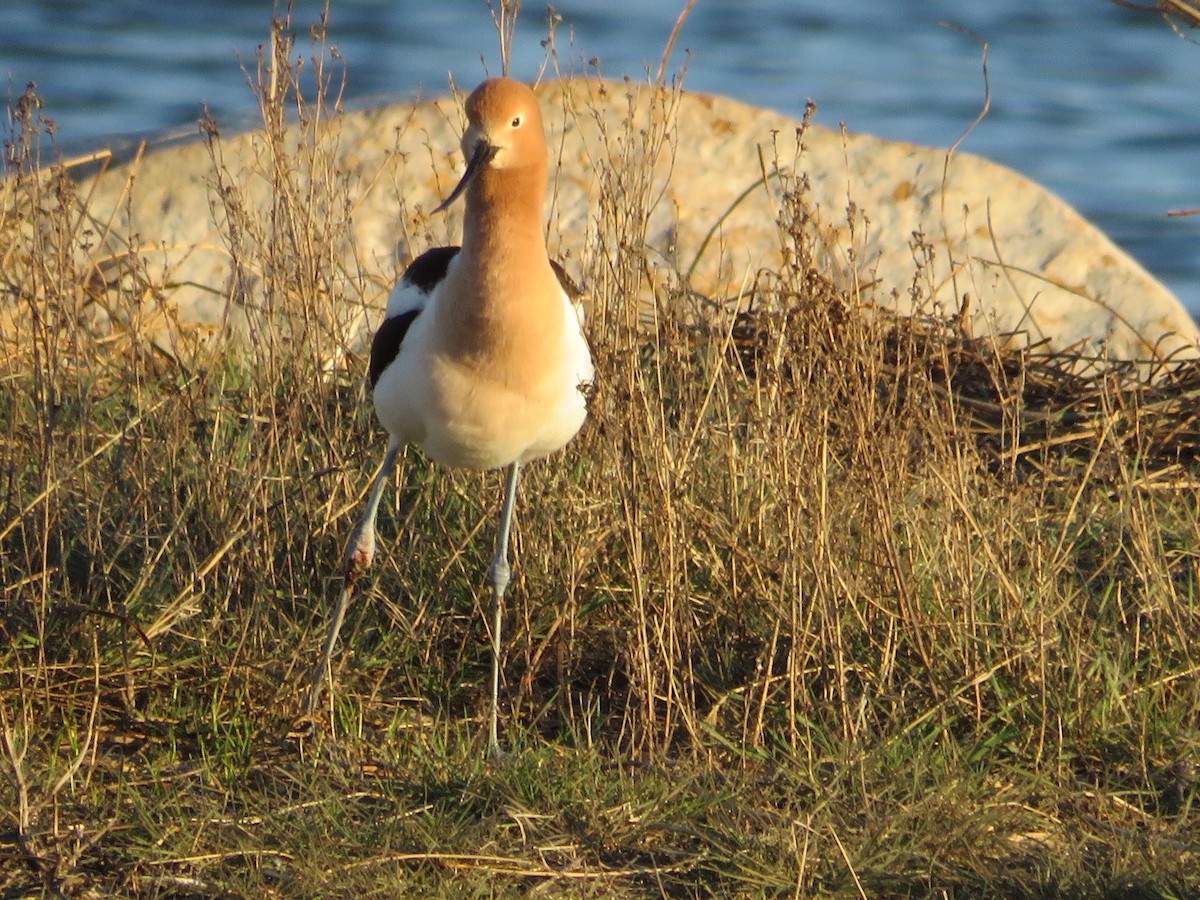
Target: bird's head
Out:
[504,132]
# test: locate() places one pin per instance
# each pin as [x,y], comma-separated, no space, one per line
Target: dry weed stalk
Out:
[505,21]
[640,445]
[1174,12]
[287,248]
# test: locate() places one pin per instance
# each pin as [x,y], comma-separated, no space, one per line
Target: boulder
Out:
[714,190]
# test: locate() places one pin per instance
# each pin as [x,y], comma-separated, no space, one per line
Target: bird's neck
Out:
[504,210]
[504,286]
[504,245]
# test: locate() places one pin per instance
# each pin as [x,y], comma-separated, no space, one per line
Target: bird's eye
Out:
[516,122]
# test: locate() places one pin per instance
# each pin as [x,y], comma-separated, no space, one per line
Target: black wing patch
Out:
[386,343]
[429,268]
[423,273]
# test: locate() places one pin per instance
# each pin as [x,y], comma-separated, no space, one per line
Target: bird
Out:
[481,360]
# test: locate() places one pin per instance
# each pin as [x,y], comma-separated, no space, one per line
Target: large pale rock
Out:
[894,220]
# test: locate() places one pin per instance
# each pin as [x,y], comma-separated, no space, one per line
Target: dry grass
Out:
[820,602]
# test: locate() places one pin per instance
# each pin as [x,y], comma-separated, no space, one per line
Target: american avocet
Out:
[481,359]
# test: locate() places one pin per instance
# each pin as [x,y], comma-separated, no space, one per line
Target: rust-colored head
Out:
[504,132]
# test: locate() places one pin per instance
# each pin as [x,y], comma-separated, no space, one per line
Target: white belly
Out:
[478,419]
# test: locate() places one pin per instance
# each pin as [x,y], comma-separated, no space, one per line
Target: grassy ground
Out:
[818,603]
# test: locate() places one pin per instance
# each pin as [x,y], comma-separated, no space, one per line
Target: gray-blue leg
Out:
[360,550]
[500,573]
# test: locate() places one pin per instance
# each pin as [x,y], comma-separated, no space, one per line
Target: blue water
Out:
[1098,103]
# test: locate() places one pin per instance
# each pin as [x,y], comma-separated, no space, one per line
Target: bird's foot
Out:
[497,756]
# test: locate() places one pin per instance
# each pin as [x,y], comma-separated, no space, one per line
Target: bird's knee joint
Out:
[500,574]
